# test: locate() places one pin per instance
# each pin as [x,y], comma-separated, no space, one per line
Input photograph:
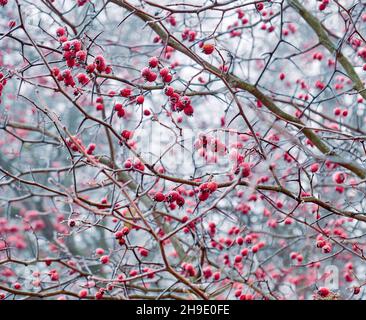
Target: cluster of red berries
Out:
[171,19]
[150,76]
[319,85]
[348,272]
[188,269]
[212,229]
[127,134]
[207,143]
[100,64]
[72,145]
[355,42]
[318,56]
[166,75]
[240,165]
[75,56]
[179,103]
[269,29]
[72,49]
[136,164]
[340,112]
[339,177]
[13,235]
[54,275]
[323,244]
[171,197]
[233,28]
[168,52]
[118,107]
[239,240]
[291,28]
[125,92]
[206,189]
[33,221]
[121,234]
[99,104]
[3,3]
[100,293]
[244,168]
[82,78]
[64,76]
[189,35]
[12,24]
[247,296]
[90,149]
[296,256]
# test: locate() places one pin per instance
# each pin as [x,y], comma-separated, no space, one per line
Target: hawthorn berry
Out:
[83,293]
[100,63]
[104,259]
[140,99]
[153,62]
[126,134]
[339,177]
[208,48]
[323,292]
[159,197]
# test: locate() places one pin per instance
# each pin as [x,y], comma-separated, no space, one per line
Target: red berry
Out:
[314,167]
[83,293]
[244,252]
[126,134]
[245,169]
[323,291]
[99,251]
[60,32]
[126,92]
[203,196]
[212,186]
[104,259]
[140,99]
[216,276]
[100,63]
[356,290]
[169,91]
[143,252]
[153,62]
[118,107]
[17,286]
[159,197]
[164,72]
[339,177]
[180,201]
[238,259]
